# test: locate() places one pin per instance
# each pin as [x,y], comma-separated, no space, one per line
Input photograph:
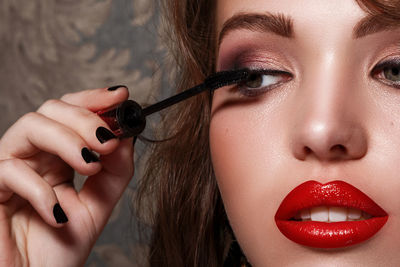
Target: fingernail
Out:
[89,156]
[103,134]
[113,88]
[59,214]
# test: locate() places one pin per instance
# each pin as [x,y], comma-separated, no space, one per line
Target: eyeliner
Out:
[129,118]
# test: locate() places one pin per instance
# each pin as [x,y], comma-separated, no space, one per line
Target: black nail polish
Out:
[103,134]
[89,156]
[59,214]
[113,88]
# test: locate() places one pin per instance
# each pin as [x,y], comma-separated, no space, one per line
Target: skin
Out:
[37,157]
[332,121]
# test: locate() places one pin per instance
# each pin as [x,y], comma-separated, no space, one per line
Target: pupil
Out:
[392,73]
[254,81]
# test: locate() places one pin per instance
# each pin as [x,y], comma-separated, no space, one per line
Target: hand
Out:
[38,156]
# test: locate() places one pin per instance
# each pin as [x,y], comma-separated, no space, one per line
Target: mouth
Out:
[332,215]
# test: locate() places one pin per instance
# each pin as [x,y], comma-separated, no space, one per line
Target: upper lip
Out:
[336,193]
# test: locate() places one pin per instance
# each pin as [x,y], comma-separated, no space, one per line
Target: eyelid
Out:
[260,64]
[256,58]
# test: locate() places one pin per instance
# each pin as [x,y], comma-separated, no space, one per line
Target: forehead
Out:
[309,15]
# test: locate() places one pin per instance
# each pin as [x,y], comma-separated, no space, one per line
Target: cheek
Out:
[248,143]
[246,149]
[239,150]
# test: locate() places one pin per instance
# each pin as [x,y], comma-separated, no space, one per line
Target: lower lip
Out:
[330,235]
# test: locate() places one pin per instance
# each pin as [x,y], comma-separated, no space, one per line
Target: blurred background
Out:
[52,47]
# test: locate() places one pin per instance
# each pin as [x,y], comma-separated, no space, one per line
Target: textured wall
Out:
[51,47]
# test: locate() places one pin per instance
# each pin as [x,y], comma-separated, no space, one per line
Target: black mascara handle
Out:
[125,120]
[129,118]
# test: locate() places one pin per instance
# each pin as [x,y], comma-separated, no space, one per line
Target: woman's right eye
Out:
[260,81]
[388,72]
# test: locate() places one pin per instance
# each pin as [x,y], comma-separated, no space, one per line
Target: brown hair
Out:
[190,227]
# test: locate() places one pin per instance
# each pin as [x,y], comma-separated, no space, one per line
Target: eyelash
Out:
[381,70]
[245,90]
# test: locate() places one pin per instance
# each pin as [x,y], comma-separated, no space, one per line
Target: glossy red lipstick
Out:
[328,234]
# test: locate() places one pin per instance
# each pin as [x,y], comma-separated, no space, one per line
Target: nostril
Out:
[338,150]
[334,152]
[307,150]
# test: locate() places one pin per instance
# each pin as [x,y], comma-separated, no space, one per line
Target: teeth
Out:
[331,214]
[354,214]
[305,214]
[319,214]
[337,214]
[366,215]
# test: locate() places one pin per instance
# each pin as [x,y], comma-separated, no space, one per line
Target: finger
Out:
[51,168]
[25,138]
[87,124]
[97,99]
[102,191]
[17,177]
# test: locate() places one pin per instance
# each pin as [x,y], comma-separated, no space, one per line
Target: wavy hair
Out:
[190,227]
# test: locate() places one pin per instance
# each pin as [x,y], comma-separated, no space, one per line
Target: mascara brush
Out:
[128,119]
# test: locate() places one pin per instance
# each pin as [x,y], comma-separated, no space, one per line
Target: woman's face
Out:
[330,111]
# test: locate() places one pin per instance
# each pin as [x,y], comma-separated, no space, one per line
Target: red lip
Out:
[328,234]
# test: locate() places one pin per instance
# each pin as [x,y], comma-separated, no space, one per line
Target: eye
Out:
[260,81]
[388,72]
[392,74]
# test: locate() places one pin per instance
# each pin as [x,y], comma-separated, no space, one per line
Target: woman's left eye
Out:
[388,72]
[261,81]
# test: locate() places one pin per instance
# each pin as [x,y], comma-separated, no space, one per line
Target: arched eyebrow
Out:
[374,24]
[282,25]
[279,24]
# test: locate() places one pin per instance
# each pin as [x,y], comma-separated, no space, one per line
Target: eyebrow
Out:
[279,24]
[374,24]
[282,25]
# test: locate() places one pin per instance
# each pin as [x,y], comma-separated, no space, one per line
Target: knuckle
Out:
[28,117]
[12,164]
[66,97]
[49,105]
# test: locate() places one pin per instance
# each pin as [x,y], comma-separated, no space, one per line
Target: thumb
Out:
[101,192]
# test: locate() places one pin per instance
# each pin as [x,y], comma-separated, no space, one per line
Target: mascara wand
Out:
[128,119]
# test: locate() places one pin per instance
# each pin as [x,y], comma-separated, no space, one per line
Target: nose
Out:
[329,124]
[327,140]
